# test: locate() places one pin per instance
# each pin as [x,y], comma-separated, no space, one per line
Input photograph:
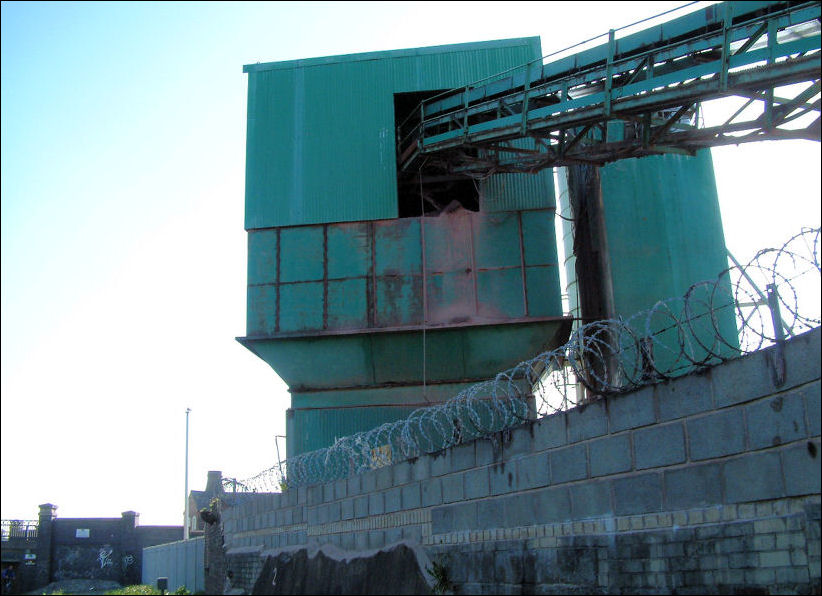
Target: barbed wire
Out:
[746,308]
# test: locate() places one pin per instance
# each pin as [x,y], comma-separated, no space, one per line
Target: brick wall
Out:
[707,483]
[91,548]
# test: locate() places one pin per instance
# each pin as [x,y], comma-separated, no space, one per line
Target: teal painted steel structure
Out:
[634,95]
[364,314]
[367,315]
[652,226]
[302,112]
[664,234]
[662,215]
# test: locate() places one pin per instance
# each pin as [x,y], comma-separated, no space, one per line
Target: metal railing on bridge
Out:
[18,529]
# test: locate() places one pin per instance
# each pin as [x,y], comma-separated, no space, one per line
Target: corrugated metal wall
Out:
[664,227]
[182,562]
[664,231]
[509,192]
[340,288]
[321,139]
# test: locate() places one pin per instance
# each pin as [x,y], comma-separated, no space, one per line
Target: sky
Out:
[123,249]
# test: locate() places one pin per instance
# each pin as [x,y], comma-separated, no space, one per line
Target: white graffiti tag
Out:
[104,557]
[128,561]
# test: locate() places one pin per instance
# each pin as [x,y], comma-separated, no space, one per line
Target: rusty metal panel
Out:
[474,270]
[398,301]
[451,297]
[302,253]
[398,247]
[261,311]
[301,307]
[448,242]
[349,250]
[320,143]
[262,257]
[347,304]
[496,240]
[501,294]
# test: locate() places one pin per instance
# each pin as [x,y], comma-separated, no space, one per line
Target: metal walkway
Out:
[632,96]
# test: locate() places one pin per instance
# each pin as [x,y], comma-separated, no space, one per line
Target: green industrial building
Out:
[372,294]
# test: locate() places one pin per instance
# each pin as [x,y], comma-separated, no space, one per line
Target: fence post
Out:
[778,361]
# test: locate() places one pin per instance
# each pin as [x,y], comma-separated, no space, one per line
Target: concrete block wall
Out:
[706,483]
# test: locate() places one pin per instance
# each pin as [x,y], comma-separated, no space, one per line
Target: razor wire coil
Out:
[746,308]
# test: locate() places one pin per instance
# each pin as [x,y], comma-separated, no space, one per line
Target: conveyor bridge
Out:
[632,96]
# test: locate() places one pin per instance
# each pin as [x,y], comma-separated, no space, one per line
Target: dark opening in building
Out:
[433,191]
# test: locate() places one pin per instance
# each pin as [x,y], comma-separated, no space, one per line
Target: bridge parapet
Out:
[18,529]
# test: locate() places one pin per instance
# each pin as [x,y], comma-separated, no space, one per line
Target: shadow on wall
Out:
[399,569]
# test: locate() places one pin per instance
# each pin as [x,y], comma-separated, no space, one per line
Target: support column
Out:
[593,266]
[45,538]
[131,551]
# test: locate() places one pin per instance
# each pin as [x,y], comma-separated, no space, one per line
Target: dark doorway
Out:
[424,192]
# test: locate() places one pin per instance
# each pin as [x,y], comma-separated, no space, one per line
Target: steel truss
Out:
[634,96]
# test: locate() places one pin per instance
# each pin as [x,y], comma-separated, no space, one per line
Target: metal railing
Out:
[632,96]
[17,529]
[748,307]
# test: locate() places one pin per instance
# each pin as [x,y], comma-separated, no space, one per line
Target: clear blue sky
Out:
[123,250]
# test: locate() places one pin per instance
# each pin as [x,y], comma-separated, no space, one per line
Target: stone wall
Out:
[707,483]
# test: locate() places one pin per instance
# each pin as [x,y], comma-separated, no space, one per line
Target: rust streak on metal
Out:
[473,265]
[431,327]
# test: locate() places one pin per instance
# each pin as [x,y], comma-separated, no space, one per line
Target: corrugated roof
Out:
[531,42]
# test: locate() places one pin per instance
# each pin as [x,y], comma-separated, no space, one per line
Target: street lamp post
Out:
[185,521]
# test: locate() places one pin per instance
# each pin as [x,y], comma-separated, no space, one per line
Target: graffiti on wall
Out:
[104,556]
[86,562]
